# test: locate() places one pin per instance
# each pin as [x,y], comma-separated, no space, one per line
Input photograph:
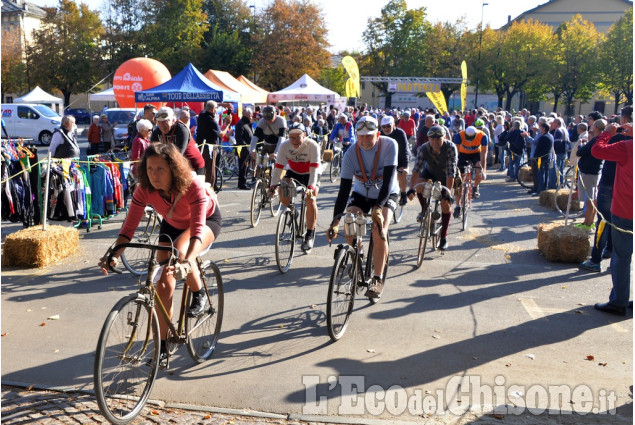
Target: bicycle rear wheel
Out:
[135,260]
[525,176]
[368,269]
[334,168]
[341,295]
[218,184]
[256,203]
[570,192]
[285,241]
[203,331]
[127,359]
[424,231]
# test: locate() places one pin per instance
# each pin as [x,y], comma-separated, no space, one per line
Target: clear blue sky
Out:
[346,19]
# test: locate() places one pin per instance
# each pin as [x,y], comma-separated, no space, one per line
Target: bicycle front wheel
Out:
[127,359]
[465,206]
[285,241]
[341,296]
[218,183]
[135,260]
[424,231]
[203,331]
[398,213]
[334,168]
[275,206]
[570,195]
[256,203]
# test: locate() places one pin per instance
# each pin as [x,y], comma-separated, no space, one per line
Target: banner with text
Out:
[438,100]
[463,86]
[409,87]
[351,67]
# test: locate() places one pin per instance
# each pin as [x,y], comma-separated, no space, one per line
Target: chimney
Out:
[509,18]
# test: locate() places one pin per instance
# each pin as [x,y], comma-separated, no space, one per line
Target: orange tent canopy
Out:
[247,93]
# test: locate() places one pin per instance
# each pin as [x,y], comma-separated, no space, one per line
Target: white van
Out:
[32,121]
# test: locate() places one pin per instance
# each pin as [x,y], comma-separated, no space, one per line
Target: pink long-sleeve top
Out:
[190,211]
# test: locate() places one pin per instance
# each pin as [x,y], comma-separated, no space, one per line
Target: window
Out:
[27,113]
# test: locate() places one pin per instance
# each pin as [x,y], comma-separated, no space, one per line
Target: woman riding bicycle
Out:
[191,221]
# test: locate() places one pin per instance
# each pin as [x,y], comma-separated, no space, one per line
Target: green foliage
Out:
[174,34]
[617,60]
[334,79]
[396,43]
[66,54]
[576,65]
[123,22]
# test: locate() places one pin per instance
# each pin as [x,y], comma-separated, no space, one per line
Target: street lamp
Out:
[480,42]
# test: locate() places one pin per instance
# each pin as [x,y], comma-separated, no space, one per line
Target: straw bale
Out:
[564,244]
[33,247]
[327,156]
[563,198]
[548,198]
[525,174]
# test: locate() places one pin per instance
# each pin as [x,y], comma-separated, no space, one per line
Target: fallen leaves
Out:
[4,334]
[370,350]
[54,317]
[530,356]
[43,324]
[602,364]
[590,358]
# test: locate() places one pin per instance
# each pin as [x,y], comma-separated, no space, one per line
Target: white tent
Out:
[107,95]
[37,95]
[305,89]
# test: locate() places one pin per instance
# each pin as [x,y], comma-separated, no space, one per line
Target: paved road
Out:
[490,310]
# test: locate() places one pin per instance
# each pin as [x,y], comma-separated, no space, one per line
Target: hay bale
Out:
[525,174]
[564,244]
[563,198]
[33,247]
[327,156]
[548,198]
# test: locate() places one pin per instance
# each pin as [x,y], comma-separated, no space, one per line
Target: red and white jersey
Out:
[304,160]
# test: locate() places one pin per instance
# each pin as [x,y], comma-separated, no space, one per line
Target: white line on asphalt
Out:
[532,308]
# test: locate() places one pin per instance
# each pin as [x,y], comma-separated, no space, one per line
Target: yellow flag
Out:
[350,88]
[438,100]
[463,85]
[350,66]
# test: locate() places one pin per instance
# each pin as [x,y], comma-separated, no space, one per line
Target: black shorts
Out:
[465,159]
[360,201]
[169,233]
[302,178]
[427,175]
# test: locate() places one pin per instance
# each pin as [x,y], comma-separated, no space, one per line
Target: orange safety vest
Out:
[470,147]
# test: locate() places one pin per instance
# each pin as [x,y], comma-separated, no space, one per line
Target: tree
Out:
[174,32]
[123,20]
[617,60]
[65,54]
[515,57]
[577,62]
[334,79]
[291,42]
[396,43]
[228,42]
[453,43]
[14,77]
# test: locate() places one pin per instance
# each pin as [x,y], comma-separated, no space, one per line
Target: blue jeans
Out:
[560,160]
[605,196]
[621,262]
[501,157]
[543,174]
[514,165]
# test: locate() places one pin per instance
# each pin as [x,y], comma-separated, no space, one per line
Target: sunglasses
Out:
[367,124]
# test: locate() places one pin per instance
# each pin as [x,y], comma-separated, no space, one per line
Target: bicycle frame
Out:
[154,301]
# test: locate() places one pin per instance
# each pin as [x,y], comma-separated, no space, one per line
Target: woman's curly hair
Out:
[179,165]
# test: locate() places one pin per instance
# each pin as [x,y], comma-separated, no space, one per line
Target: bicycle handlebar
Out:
[112,250]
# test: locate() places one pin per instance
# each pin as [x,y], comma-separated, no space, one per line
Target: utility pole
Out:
[480,42]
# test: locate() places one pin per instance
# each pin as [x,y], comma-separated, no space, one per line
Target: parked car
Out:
[30,121]
[82,115]
[122,116]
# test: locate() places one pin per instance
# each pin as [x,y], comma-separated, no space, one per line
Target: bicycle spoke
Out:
[126,360]
[341,295]
[203,331]
[285,241]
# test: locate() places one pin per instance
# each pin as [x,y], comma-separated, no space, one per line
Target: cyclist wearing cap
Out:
[436,161]
[343,132]
[403,157]
[371,164]
[408,125]
[271,129]
[472,146]
[302,156]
